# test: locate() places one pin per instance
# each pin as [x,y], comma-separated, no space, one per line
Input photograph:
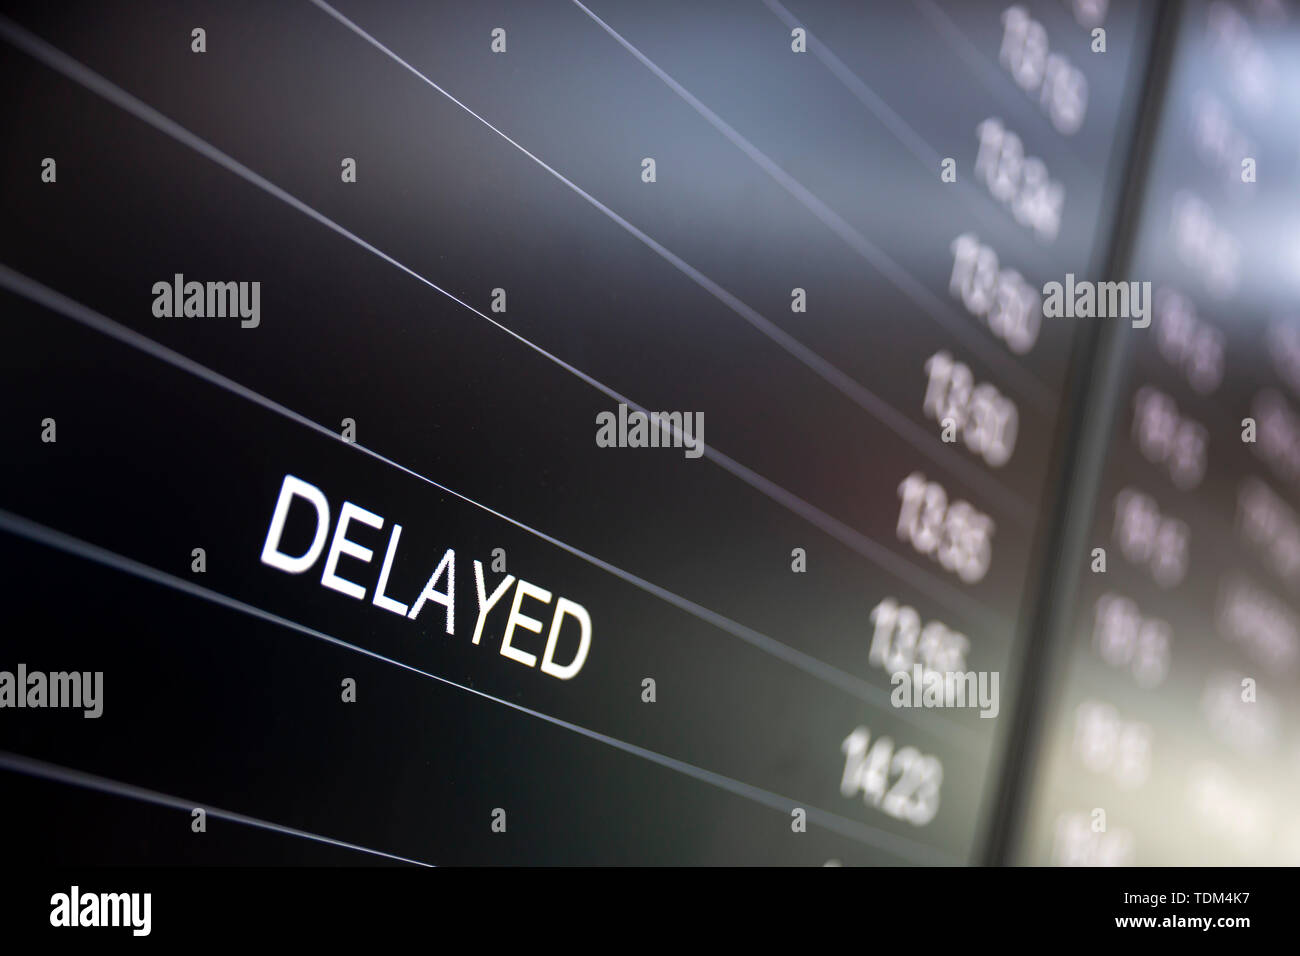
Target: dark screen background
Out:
[474,428]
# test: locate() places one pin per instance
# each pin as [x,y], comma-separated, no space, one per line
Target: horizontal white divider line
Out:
[17,763]
[981,204]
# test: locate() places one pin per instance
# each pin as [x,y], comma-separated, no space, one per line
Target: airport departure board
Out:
[610,432]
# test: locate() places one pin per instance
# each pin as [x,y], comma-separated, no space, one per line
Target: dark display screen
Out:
[624,433]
